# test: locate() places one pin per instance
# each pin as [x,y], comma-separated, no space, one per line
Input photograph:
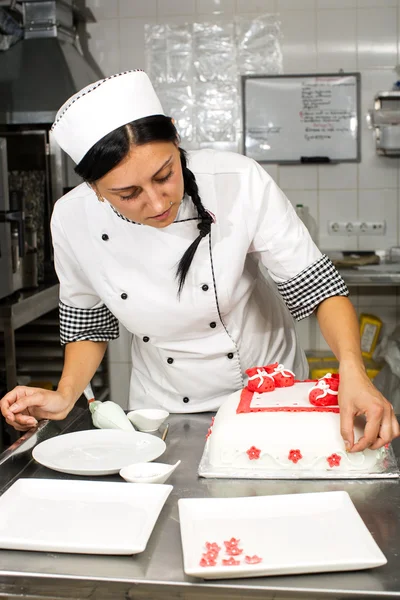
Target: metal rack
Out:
[16,311]
[24,308]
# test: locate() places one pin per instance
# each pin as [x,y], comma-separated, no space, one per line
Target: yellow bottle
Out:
[370,328]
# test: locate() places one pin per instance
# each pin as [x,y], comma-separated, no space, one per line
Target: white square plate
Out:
[294,533]
[88,517]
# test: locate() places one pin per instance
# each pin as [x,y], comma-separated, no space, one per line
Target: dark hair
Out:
[108,152]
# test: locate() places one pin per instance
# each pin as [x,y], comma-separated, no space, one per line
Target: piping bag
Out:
[107,415]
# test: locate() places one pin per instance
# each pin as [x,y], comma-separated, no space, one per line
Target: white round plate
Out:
[97,451]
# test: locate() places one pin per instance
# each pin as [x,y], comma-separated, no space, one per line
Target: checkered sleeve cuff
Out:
[94,324]
[305,291]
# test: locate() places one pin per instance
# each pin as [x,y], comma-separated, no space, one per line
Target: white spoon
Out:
[149,472]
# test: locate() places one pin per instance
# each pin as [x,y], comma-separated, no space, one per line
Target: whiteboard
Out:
[301,118]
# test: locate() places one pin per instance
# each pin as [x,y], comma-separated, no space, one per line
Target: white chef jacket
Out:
[190,353]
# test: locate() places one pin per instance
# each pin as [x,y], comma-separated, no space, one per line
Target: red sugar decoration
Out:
[209,432]
[253,453]
[207,561]
[213,546]
[252,560]
[234,551]
[281,376]
[212,551]
[334,460]
[233,542]
[259,380]
[325,391]
[230,562]
[295,456]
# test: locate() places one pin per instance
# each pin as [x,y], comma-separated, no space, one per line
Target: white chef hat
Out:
[100,108]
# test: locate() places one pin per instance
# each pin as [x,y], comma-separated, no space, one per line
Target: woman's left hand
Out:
[358,396]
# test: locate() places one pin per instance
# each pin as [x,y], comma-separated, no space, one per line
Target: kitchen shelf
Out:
[371,277]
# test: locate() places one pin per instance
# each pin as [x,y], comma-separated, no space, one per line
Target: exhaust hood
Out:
[40,72]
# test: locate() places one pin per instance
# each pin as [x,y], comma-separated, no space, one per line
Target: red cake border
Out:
[246,397]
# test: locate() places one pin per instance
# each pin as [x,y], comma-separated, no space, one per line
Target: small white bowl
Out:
[147,419]
[149,472]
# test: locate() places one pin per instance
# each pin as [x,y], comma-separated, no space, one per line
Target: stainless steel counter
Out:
[158,572]
[375,275]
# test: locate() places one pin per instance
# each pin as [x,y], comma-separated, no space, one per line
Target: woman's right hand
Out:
[24,406]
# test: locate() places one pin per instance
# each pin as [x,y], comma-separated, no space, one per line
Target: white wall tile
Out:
[308,198]
[336,40]
[336,205]
[119,350]
[375,3]
[398,29]
[375,205]
[132,43]
[103,9]
[303,332]
[137,8]
[298,177]
[119,377]
[335,177]
[272,170]
[175,7]
[322,344]
[104,45]
[295,4]
[374,171]
[377,37]
[336,4]
[299,43]
[209,7]
[257,6]
[313,331]
[183,19]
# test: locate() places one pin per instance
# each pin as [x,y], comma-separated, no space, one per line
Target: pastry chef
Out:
[199,255]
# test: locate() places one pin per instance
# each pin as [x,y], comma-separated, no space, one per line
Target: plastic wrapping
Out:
[169,54]
[216,112]
[156,53]
[259,45]
[196,68]
[214,51]
[177,101]
[386,468]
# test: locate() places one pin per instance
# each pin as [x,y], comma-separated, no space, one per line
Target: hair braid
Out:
[191,189]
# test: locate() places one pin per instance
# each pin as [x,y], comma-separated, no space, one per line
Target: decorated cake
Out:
[278,423]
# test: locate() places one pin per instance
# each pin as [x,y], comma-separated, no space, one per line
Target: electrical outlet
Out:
[341,228]
[356,227]
[372,228]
